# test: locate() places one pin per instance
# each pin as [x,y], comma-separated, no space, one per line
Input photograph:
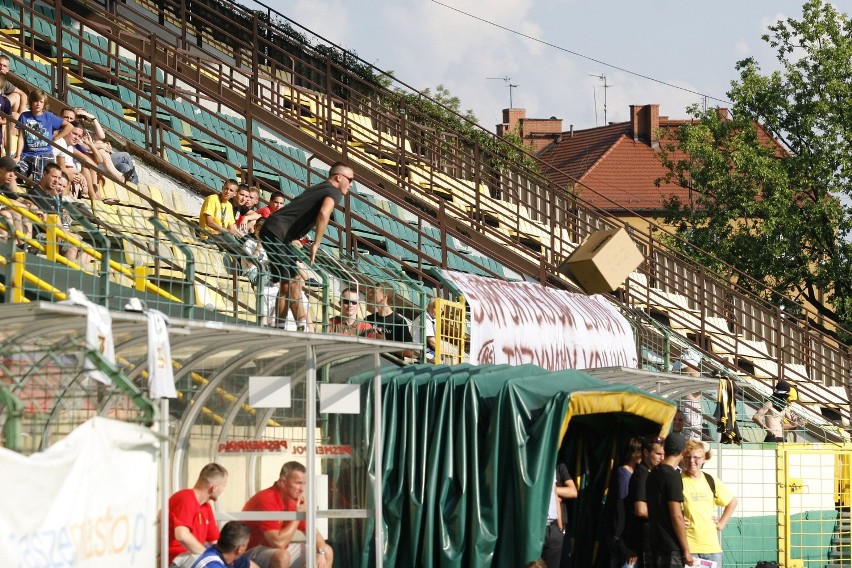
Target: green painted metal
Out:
[145,406]
[469,455]
[12,426]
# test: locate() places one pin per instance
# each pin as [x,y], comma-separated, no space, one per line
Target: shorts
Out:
[282,258]
[261,555]
[33,166]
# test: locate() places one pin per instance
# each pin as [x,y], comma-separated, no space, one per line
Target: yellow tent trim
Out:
[597,402]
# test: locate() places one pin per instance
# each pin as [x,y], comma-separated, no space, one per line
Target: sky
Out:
[677,43]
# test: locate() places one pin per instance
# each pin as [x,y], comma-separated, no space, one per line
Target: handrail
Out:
[666,268]
[580,200]
[53,229]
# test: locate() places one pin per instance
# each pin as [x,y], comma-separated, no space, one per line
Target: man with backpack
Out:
[701,494]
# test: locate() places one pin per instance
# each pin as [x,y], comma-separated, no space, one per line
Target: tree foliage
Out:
[777,207]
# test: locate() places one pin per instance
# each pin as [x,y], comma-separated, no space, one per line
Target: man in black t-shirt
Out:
[313,209]
[635,533]
[669,548]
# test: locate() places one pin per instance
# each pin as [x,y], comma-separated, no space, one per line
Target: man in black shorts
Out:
[313,209]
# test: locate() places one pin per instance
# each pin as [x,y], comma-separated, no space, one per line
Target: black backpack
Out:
[712,483]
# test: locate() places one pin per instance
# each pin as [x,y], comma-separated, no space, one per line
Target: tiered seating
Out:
[195,139]
[750,357]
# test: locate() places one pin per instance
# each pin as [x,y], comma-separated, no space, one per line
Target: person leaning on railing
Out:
[217,218]
[47,196]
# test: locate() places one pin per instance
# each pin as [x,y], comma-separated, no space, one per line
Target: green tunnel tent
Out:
[469,454]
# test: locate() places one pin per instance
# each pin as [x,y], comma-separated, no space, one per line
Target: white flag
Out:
[161,378]
[98,334]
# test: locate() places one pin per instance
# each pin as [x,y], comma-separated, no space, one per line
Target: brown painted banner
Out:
[523,322]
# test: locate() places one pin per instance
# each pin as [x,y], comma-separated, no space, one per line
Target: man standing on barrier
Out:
[281,235]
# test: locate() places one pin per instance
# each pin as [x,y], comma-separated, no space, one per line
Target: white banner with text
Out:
[90,500]
[523,322]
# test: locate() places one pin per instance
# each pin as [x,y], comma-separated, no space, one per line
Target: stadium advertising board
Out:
[522,322]
[89,501]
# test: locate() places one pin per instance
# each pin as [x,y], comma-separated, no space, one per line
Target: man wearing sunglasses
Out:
[348,323]
[281,234]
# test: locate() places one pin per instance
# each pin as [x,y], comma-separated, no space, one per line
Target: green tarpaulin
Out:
[469,457]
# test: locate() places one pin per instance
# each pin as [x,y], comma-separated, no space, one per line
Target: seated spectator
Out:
[428,325]
[387,322]
[81,164]
[254,198]
[16,96]
[192,523]
[244,216]
[776,416]
[276,202]
[34,152]
[217,218]
[118,164]
[47,196]
[347,323]
[9,189]
[5,110]
[271,544]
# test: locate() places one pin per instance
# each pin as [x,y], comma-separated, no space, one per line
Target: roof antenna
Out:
[508,81]
[602,77]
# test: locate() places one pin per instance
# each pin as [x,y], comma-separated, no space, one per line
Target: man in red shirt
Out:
[347,323]
[276,202]
[270,545]
[192,523]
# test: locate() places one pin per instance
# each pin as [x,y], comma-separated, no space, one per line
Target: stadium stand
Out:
[216,112]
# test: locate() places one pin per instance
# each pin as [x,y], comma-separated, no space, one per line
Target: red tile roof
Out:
[616,172]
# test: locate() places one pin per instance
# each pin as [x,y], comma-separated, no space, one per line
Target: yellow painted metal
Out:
[814,524]
[18,277]
[55,234]
[139,277]
[843,473]
[450,331]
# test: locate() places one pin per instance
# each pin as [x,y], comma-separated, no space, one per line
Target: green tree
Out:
[771,187]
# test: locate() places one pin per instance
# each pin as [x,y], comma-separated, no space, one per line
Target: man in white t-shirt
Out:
[428,325]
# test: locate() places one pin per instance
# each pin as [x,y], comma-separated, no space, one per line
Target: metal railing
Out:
[483,198]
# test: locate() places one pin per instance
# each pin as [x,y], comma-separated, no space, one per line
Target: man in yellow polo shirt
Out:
[217,217]
[699,504]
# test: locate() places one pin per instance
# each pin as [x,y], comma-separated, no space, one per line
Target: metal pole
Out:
[310,442]
[377,460]
[165,491]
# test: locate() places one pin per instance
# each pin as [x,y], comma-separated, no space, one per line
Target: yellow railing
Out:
[450,331]
[55,234]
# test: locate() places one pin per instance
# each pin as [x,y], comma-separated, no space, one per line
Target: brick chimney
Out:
[536,133]
[644,124]
[512,117]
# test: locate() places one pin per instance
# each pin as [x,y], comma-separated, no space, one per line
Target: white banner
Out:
[90,500]
[522,322]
